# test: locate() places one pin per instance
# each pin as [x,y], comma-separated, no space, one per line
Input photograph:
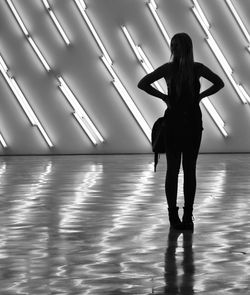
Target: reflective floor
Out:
[98,225]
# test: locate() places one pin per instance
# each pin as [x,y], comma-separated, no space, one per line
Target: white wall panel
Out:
[87,77]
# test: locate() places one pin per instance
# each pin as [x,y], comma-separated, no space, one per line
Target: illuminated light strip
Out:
[243,92]
[240,90]
[152,6]
[124,94]
[79,113]
[239,21]
[117,83]
[82,7]
[204,20]
[214,115]
[206,26]
[39,54]
[85,128]
[22,100]
[3,142]
[197,11]
[19,20]
[218,53]
[27,35]
[206,102]
[56,22]
[128,100]
[145,61]
[132,44]
[142,58]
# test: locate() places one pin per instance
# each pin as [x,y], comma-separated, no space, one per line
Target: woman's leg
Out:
[190,155]
[171,187]
[171,182]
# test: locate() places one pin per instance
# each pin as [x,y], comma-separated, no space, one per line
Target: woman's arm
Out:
[145,83]
[213,78]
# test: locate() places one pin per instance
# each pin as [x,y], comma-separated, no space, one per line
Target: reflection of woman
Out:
[174,284]
[183,121]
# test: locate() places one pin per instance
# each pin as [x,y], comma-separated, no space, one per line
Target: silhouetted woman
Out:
[183,121]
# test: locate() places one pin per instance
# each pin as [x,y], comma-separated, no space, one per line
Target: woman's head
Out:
[181,47]
[182,56]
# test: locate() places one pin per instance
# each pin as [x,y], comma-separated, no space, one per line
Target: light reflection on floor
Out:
[98,225]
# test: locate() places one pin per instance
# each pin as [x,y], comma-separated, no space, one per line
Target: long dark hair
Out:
[182,57]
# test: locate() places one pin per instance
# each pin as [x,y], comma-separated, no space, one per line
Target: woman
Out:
[183,121]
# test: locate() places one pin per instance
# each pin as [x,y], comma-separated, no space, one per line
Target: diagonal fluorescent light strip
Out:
[27,35]
[132,44]
[68,92]
[19,20]
[219,55]
[128,100]
[22,100]
[240,90]
[243,92]
[79,113]
[39,54]
[245,98]
[199,12]
[145,61]
[132,107]
[238,19]
[240,23]
[56,22]
[214,115]
[142,58]
[152,6]
[206,102]
[3,142]
[109,65]
[206,27]
[82,7]
[85,127]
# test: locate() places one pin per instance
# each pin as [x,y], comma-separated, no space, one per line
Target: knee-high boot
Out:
[174,219]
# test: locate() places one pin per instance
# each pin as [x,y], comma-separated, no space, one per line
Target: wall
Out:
[91,82]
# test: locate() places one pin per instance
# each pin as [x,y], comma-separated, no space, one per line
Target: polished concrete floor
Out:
[98,225]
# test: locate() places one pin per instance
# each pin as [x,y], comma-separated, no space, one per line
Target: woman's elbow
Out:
[144,83]
[141,85]
[220,84]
